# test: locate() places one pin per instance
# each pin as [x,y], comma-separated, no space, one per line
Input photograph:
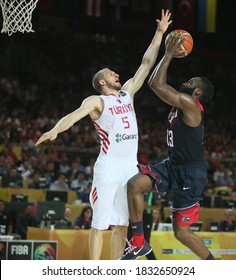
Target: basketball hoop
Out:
[17,15]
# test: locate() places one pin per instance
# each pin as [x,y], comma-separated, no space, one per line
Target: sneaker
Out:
[134,252]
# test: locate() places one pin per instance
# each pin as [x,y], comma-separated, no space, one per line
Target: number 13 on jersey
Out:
[170,138]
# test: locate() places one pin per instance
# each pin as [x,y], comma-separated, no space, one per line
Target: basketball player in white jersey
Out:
[114,118]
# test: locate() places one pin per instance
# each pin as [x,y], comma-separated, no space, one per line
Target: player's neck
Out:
[112,92]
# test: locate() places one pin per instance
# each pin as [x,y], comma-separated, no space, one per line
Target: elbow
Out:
[154,85]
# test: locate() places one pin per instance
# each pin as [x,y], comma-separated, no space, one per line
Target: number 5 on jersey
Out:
[125,122]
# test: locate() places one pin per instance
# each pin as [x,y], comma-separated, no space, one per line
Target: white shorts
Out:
[108,196]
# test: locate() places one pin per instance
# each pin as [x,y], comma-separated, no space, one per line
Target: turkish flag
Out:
[184,14]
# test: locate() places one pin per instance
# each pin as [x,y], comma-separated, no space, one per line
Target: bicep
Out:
[166,93]
[89,105]
[172,97]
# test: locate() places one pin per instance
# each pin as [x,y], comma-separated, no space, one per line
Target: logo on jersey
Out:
[122,93]
[173,115]
[121,137]
[118,137]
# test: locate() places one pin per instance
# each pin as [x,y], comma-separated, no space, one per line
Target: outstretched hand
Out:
[50,135]
[165,21]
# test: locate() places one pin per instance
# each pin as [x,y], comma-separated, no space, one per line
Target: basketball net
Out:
[17,15]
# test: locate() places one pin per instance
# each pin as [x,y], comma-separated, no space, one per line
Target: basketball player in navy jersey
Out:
[113,115]
[183,173]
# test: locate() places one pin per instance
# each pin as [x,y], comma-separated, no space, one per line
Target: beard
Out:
[186,90]
[115,86]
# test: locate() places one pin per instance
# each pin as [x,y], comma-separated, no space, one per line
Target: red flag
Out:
[94,8]
[184,13]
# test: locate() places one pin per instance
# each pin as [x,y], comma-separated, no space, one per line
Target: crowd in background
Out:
[32,102]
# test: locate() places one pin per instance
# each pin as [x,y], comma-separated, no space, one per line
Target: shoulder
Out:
[93,98]
[123,92]
[93,102]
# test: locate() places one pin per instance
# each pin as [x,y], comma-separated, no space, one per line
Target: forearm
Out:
[151,53]
[159,74]
[63,124]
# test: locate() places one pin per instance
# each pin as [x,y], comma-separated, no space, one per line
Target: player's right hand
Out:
[50,135]
[173,44]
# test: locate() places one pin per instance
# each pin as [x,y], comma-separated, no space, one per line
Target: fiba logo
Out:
[44,252]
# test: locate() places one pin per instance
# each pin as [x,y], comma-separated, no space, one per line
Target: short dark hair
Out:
[207,89]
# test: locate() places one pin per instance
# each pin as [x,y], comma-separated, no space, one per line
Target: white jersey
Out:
[117,127]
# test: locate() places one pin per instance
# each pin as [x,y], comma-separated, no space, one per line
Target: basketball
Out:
[187,45]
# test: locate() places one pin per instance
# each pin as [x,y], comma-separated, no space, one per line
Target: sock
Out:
[137,232]
[210,257]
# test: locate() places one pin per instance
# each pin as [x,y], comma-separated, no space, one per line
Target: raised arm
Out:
[150,56]
[158,80]
[90,106]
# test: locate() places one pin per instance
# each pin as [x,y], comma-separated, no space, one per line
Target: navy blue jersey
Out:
[185,143]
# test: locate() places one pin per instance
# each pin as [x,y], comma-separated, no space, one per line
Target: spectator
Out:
[25,220]
[85,219]
[3,166]
[231,201]
[11,153]
[65,223]
[218,172]
[64,166]
[37,182]
[79,184]
[89,168]
[12,179]
[152,202]
[208,196]
[225,179]
[80,165]
[83,195]
[72,172]
[229,223]
[156,219]
[60,184]
[5,221]
[50,174]
[25,169]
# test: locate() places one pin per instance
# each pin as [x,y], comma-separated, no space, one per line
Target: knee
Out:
[97,232]
[177,234]
[139,184]
[132,186]
[181,235]
[121,230]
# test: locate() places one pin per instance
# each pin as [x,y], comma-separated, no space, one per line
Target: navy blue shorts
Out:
[184,183]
